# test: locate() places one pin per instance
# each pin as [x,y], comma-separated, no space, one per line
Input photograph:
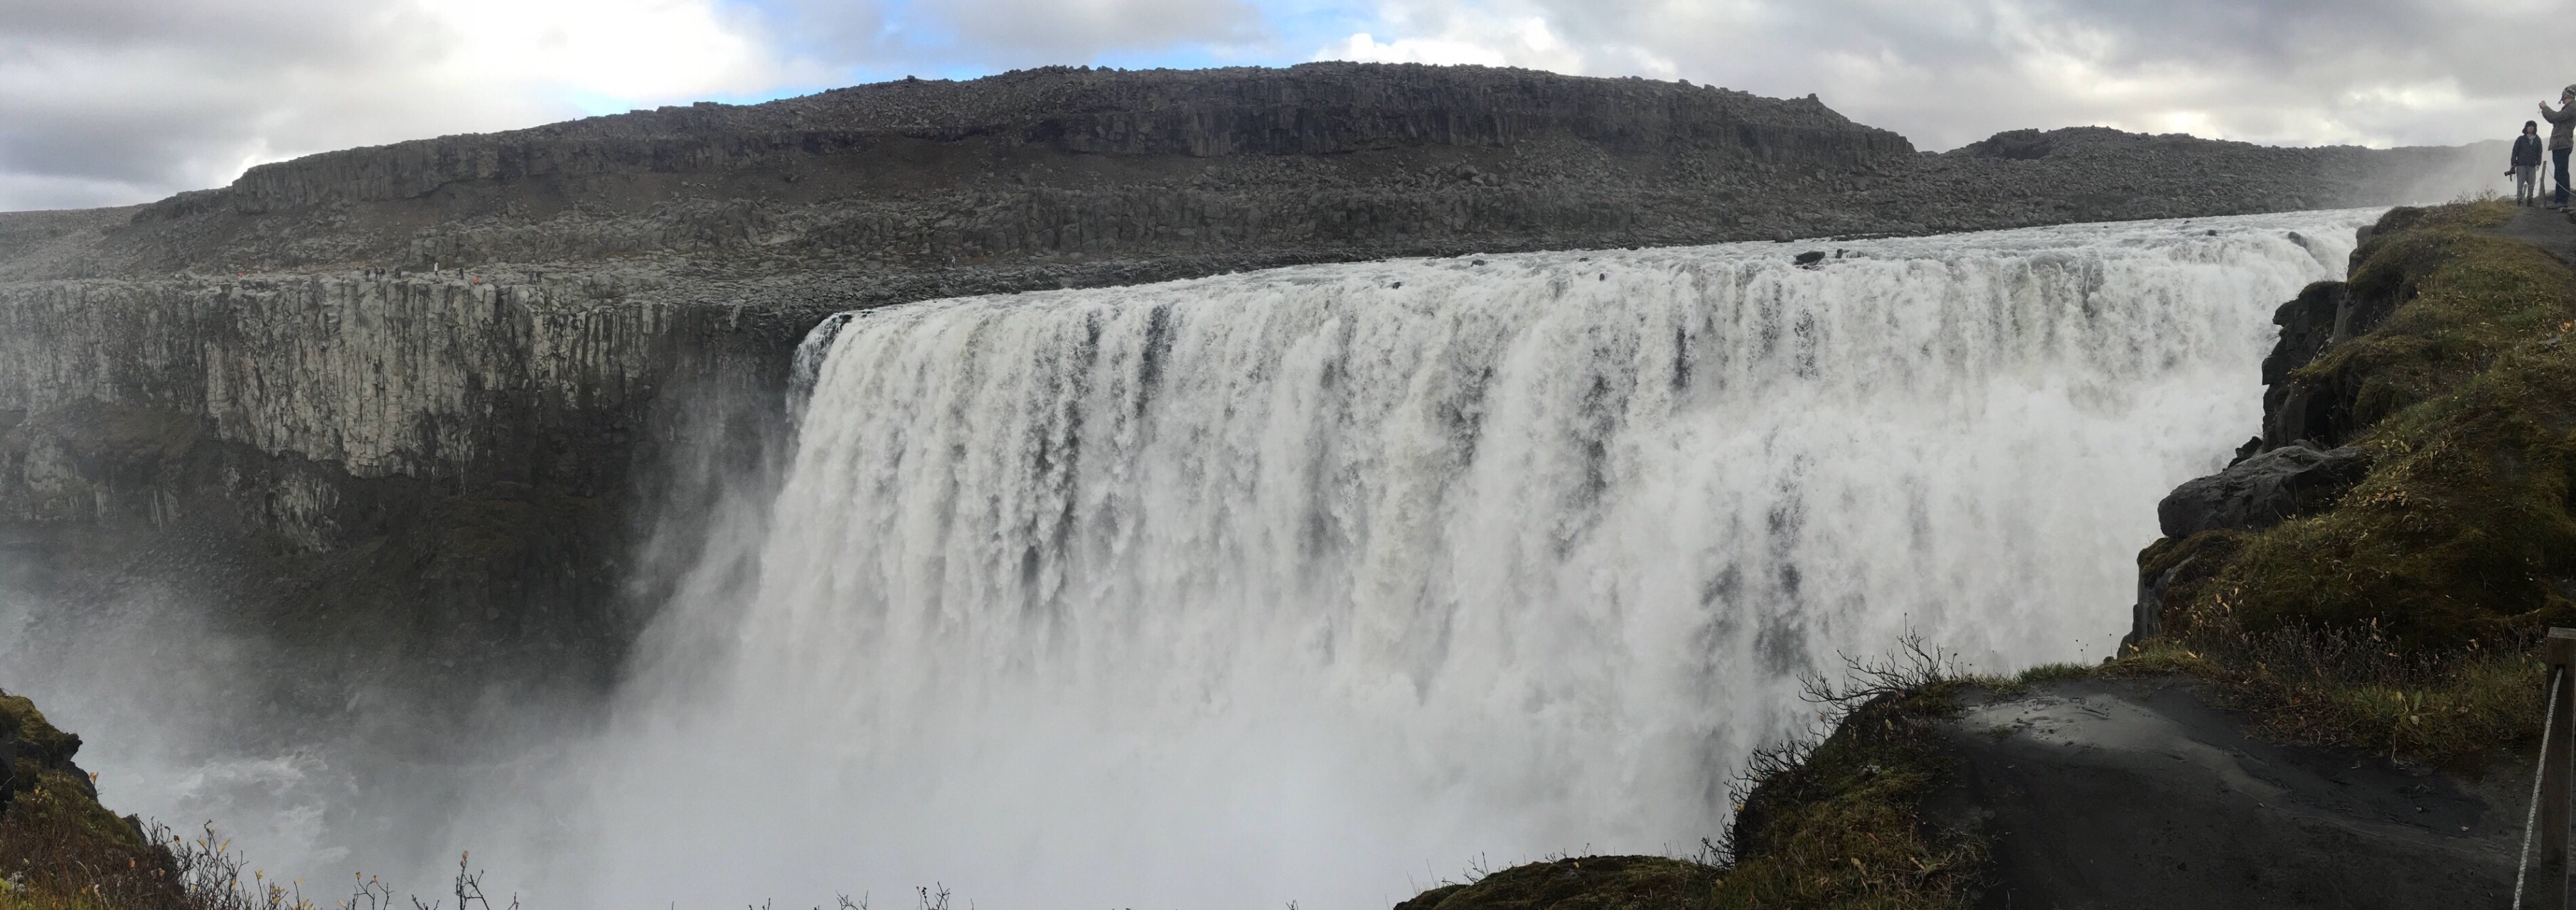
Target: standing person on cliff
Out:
[2562,137]
[2525,170]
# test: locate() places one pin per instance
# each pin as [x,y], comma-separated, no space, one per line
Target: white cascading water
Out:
[1324,584]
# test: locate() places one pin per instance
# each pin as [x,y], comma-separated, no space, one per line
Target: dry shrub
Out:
[2358,687]
[1832,822]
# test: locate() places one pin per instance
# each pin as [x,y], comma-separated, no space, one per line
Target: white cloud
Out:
[1364,48]
[1076,30]
[1524,41]
[128,100]
[638,50]
[117,101]
[1496,34]
[1947,72]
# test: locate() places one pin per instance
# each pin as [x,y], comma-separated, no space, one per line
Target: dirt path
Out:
[2138,793]
[2545,228]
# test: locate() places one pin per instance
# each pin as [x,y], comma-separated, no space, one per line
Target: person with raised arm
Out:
[2562,137]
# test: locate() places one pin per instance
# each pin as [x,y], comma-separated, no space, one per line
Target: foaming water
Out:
[1320,584]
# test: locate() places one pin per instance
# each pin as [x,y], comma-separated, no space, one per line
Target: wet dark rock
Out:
[2261,491]
[2138,793]
[1810,257]
[2307,328]
[2309,325]
[2328,313]
[2251,448]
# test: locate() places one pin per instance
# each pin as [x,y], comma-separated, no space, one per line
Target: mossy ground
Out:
[2460,533]
[60,849]
[2403,618]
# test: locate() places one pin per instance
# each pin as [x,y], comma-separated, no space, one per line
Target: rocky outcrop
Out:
[2319,409]
[2296,467]
[427,465]
[2262,491]
[416,377]
[33,752]
[58,846]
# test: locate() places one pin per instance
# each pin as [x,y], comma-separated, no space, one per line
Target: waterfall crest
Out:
[1318,584]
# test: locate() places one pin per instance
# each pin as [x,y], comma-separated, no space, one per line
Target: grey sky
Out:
[120,101]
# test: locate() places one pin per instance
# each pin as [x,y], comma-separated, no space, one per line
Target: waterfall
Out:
[1323,584]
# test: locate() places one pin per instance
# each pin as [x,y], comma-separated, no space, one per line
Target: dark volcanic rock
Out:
[2319,409]
[2261,491]
[2308,325]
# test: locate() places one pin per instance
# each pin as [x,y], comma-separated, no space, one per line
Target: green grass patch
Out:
[2358,688]
[2049,673]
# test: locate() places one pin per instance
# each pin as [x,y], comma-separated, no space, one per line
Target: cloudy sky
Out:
[106,102]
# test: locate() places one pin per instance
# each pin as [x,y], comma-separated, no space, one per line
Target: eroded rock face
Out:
[2262,491]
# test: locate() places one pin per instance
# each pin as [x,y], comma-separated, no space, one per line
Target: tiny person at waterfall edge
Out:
[2562,136]
[2525,169]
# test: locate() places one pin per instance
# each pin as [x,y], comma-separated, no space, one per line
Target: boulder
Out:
[2307,327]
[2261,491]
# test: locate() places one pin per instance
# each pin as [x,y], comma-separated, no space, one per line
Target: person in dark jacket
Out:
[2562,137]
[2526,164]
